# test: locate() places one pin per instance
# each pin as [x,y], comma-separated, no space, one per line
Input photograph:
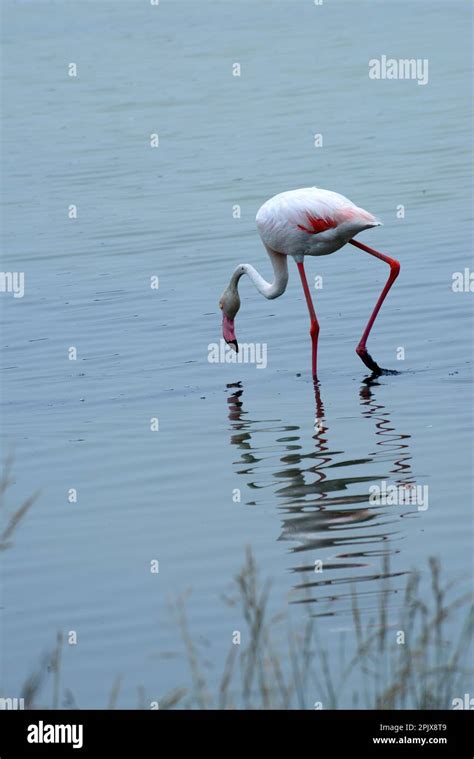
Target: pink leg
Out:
[361,349]
[314,329]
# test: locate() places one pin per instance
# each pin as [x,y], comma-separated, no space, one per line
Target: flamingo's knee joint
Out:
[394,268]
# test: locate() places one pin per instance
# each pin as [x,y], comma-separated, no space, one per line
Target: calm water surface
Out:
[303,464]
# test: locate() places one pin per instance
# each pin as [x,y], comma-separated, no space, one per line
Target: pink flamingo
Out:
[299,223]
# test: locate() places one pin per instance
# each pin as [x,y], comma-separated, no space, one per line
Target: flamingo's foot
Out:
[376,370]
[365,356]
[389,371]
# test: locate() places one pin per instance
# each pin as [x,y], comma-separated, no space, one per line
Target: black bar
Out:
[155,733]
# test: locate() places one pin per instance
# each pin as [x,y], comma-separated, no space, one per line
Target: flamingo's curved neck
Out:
[269,290]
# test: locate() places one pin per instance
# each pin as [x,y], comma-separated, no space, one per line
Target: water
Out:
[303,465]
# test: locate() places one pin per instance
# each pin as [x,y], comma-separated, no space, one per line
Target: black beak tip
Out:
[234,344]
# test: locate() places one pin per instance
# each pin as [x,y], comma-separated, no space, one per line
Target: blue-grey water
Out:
[302,465]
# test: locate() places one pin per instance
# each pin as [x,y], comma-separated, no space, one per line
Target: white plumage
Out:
[286,222]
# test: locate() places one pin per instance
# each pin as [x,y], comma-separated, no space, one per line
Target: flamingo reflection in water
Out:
[324,511]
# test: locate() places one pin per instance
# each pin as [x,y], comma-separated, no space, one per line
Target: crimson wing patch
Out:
[317,224]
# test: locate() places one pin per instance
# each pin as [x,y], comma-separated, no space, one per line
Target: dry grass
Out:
[285,668]
[10,521]
[425,672]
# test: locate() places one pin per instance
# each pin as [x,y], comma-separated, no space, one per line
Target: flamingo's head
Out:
[229,304]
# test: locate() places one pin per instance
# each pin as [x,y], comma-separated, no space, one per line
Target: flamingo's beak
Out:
[228,333]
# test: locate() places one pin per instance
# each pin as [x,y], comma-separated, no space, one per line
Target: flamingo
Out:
[298,223]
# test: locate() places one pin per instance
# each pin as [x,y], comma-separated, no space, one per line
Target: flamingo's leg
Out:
[314,328]
[361,349]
